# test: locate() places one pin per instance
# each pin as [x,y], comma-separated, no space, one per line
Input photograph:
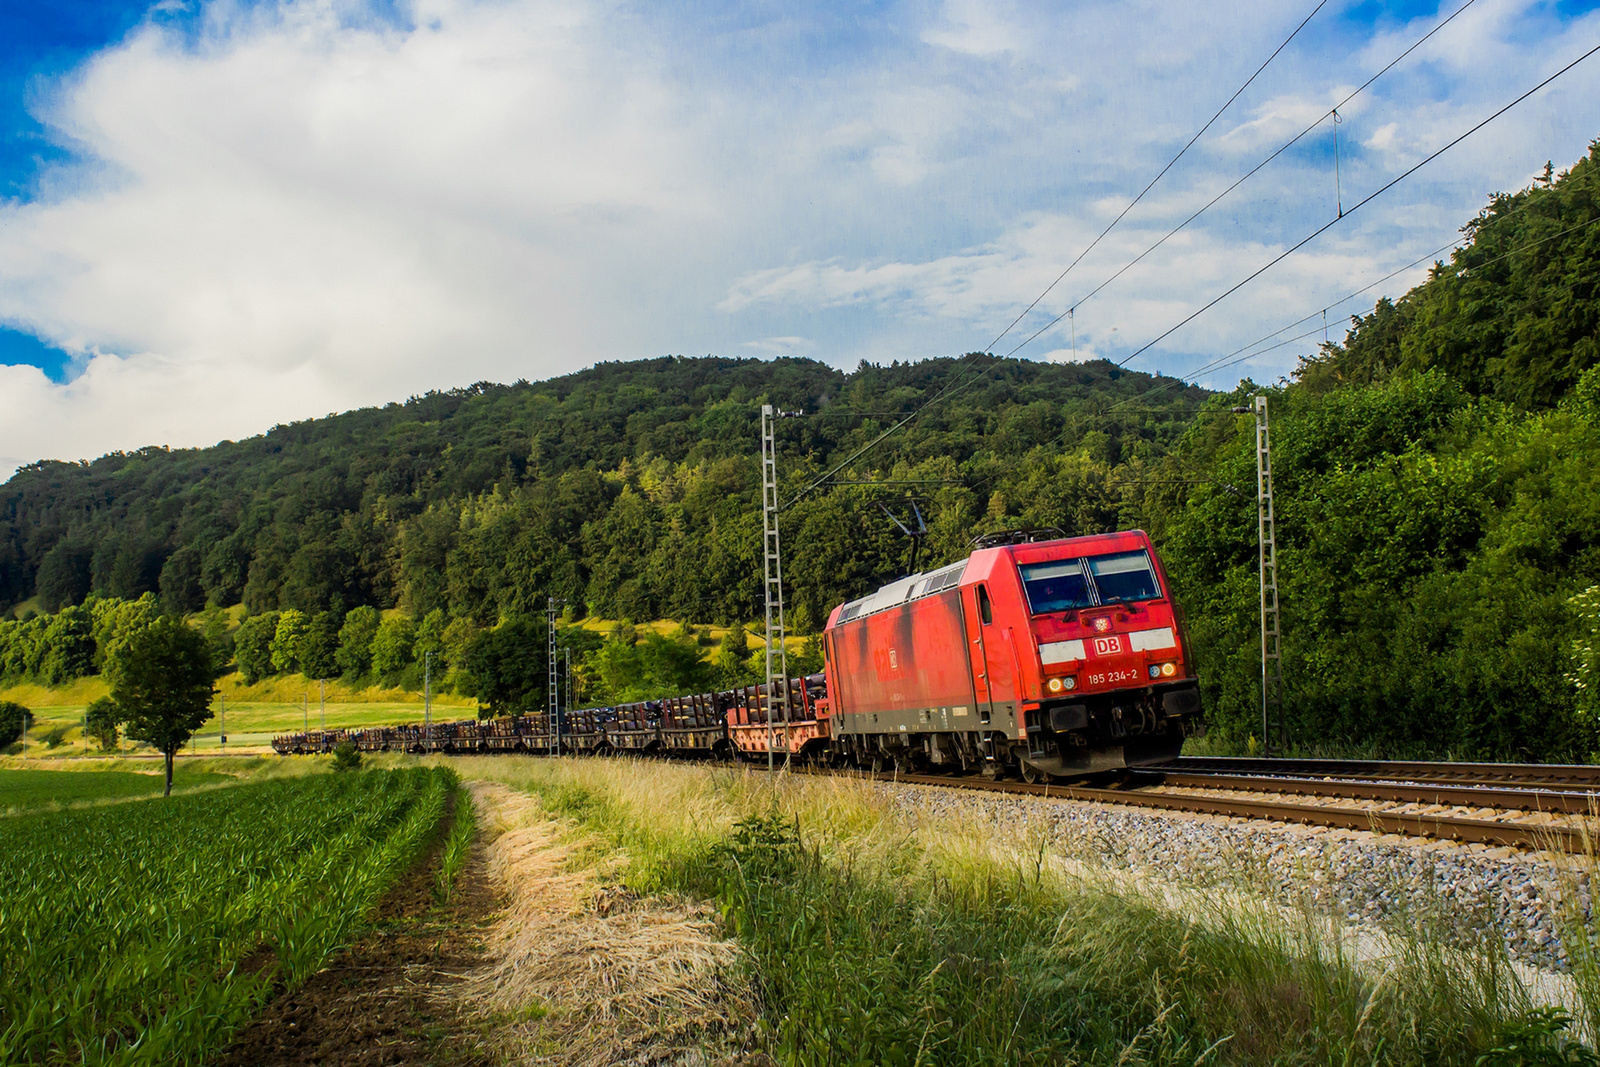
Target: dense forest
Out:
[1436,477]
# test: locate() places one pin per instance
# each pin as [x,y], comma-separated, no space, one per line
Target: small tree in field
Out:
[162,680]
[104,722]
[14,718]
[346,757]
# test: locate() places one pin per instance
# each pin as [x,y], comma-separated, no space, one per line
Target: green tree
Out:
[392,647]
[181,591]
[14,718]
[69,646]
[288,641]
[355,641]
[116,619]
[103,722]
[508,665]
[64,576]
[807,658]
[214,625]
[1585,673]
[319,647]
[430,639]
[161,678]
[730,659]
[252,646]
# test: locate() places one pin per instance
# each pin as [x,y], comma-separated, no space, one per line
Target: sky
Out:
[221,215]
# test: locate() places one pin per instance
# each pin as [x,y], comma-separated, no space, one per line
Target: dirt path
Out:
[584,973]
[391,998]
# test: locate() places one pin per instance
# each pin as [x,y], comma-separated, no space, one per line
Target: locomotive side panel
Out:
[903,670]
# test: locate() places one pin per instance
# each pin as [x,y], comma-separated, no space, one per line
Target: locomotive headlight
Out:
[1054,685]
[1155,671]
[1101,625]
[1069,683]
[1169,669]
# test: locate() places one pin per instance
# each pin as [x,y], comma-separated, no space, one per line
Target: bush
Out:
[346,757]
[57,737]
[13,717]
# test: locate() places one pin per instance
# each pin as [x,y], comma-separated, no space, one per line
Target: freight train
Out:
[1037,656]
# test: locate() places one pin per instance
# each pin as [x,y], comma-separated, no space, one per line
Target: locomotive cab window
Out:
[1059,585]
[1124,577]
[985,612]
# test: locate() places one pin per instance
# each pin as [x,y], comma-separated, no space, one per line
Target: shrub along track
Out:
[387,998]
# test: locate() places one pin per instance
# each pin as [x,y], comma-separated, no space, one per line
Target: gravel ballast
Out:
[1379,880]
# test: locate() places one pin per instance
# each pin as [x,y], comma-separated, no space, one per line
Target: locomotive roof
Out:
[898,592]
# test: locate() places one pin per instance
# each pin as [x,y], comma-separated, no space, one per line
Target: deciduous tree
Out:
[161,679]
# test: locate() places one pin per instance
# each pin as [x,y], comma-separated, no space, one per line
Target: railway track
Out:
[1581,776]
[1145,789]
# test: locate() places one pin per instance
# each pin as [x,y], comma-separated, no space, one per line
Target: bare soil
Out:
[390,998]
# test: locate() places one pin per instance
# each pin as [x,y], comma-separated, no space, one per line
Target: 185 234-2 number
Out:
[1114,677]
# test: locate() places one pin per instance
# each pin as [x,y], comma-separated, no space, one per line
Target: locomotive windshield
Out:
[1123,577]
[1066,584]
[1059,585]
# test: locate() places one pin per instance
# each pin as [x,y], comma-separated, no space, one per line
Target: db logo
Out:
[1108,646]
[887,662]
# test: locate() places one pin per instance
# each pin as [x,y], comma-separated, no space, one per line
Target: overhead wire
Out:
[1369,198]
[1162,173]
[1240,181]
[1235,357]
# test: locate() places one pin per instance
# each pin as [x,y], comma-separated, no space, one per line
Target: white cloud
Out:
[975,27]
[779,346]
[300,210]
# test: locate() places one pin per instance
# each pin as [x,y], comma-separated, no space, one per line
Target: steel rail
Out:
[1449,828]
[1516,774]
[1446,793]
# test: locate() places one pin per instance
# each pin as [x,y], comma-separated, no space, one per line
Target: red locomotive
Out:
[1059,657]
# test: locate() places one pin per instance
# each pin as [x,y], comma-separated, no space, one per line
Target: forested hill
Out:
[631,488]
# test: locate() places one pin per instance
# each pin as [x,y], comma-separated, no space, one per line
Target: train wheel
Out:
[993,770]
[1032,774]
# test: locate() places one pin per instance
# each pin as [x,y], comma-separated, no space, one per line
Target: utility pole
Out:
[552,662]
[222,704]
[1271,657]
[567,653]
[322,702]
[427,694]
[777,653]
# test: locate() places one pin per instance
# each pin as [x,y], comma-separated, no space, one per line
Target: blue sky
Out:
[217,216]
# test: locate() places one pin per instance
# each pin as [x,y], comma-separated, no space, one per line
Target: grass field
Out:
[882,936]
[122,929]
[250,726]
[24,790]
